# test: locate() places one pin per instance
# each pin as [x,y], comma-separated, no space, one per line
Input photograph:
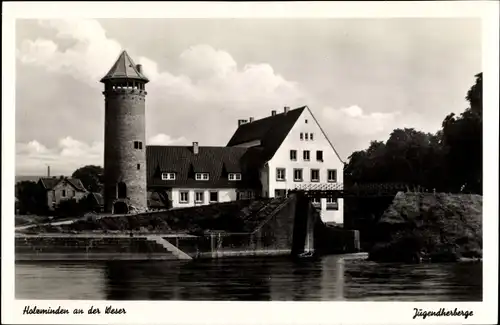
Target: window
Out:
[280,174]
[332,175]
[307,136]
[319,155]
[311,136]
[293,155]
[184,197]
[235,177]
[199,197]
[297,174]
[201,176]
[307,155]
[332,204]
[316,202]
[138,145]
[138,166]
[306,121]
[301,136]
[167,176]
[63,193]
[314,175]
[214,196]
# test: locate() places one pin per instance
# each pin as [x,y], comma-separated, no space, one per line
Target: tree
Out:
[31,198]
[449,160]
[463,143]
[91,177]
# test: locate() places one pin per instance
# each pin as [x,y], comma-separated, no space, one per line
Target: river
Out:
[328,278]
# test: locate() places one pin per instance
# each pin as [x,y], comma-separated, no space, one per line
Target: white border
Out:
[175,312]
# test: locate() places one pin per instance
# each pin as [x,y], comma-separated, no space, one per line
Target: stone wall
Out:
[71,247]
[124,124]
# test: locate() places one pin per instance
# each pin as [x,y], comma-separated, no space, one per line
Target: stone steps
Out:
[109,246]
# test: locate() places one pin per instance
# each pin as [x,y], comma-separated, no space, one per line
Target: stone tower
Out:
[125,185]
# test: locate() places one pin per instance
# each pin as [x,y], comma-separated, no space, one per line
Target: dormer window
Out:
[234,177]
[201,176]
[168,176]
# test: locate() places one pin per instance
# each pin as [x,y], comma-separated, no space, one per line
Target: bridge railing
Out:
[337,190]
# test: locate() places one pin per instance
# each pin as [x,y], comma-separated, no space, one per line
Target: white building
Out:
[296,152]
[265,157]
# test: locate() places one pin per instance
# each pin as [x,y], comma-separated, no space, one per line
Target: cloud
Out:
[353,120]
[70,154]
[207,74]
[201,101]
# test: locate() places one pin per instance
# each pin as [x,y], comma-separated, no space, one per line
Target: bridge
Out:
[340,190]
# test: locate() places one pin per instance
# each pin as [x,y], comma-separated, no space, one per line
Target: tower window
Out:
[138,145]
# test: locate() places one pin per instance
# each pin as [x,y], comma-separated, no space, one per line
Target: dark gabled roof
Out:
[50,182]
[124,68]
[217,161]
[271,131]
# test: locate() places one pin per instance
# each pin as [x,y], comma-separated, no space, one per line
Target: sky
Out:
[361,78]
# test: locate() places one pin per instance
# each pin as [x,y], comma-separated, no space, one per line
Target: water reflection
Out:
[256,279]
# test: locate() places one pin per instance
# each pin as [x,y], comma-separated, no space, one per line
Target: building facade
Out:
[186,176]
[296,153]
[125,185]
[58,189]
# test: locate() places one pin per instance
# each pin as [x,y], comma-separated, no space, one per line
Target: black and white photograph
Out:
[333,159]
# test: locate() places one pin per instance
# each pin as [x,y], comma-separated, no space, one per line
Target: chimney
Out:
[250,120]
[48,171]
[273,113]
[195,148]
[286,109]
[240,122]
[139,68]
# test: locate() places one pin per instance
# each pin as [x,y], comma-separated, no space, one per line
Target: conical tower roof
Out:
[124,68]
